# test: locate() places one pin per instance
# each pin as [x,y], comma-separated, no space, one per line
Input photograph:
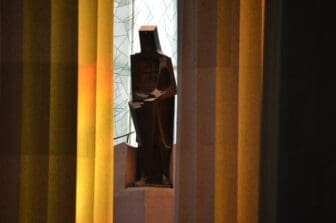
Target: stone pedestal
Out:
[139,204]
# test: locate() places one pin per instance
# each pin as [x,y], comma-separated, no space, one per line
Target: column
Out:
[86,120]
[227,58]
[11,19]
[249,109]
[63,112]
[207,112]
[103,195]
[35,111]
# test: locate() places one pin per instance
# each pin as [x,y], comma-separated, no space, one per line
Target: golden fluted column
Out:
[94,201]
[86,126]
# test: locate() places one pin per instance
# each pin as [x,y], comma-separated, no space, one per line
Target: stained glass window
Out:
[129,15]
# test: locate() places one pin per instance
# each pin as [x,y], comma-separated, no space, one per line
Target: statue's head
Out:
[149,39]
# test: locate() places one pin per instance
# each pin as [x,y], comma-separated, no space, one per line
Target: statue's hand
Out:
[156,93]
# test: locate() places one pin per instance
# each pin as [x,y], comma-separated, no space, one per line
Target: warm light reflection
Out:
[94,201]
[86,143]
[86,110]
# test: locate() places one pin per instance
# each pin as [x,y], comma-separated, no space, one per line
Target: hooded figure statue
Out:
[152,108]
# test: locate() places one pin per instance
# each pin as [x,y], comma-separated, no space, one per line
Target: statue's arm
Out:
[167,79]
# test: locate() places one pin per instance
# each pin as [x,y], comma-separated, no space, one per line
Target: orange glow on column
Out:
[86,123]
[85,144]
[95,112]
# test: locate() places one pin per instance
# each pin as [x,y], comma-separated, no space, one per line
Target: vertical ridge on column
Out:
[86,109]
[35,111]
[227,60]
[185,205]
[205,76]
[63,112]
[103,191]
[249,110]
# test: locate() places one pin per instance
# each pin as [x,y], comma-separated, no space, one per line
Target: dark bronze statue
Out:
[152,108]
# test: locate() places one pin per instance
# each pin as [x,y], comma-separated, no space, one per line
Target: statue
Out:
[152,109]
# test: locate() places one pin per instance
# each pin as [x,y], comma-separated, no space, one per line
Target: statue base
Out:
[145,204]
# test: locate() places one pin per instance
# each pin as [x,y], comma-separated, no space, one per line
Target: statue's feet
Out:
[165,180]
[141,182]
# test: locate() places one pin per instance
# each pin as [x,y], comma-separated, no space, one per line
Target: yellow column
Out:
[250,95]
[86,126]
[103,193]
[95,112]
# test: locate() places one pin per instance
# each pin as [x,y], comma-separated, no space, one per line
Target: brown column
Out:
[35,111]
[195,132]
[11,19]
[207,112]
[63,112]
